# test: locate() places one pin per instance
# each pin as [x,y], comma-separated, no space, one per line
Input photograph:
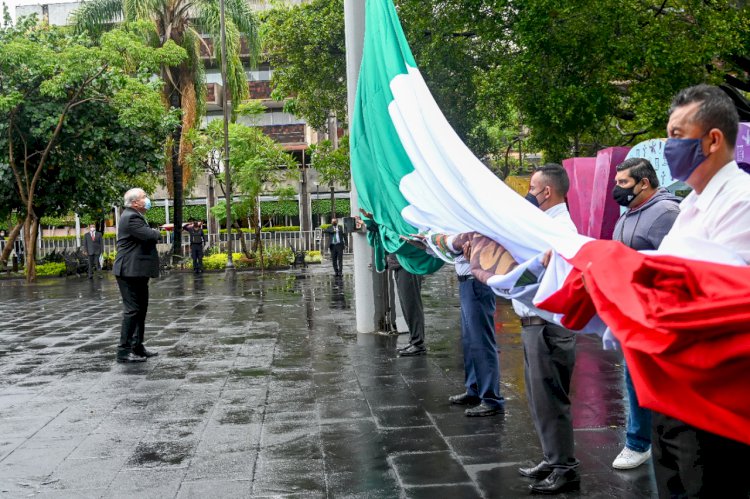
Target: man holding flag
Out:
[702,129]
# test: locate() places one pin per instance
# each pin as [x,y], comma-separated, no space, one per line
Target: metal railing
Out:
[312,240]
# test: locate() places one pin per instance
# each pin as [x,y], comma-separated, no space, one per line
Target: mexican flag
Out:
[683,324]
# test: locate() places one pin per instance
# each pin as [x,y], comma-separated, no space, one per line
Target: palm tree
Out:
[183,22]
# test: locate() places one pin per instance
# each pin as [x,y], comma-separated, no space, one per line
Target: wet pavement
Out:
[263,389]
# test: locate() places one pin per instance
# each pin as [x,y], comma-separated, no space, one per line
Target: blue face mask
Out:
[147,204]
[684,156]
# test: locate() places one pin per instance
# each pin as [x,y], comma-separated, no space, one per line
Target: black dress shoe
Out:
[540,471]
[464,399]
[557,482]
[130,357]
[412,351]
[146,353]
[483,410]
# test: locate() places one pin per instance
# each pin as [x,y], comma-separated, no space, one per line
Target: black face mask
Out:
[624,195]
[532,199]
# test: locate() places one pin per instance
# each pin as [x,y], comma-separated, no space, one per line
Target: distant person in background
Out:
[93,245]
[197,240]
[336,243]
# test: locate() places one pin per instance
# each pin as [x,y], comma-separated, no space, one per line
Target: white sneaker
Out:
[629,459]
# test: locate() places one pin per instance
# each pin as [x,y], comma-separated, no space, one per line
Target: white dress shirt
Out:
[561,215]
[720,215]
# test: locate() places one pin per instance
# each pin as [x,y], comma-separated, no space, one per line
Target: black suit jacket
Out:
[136,247]
[93,246]
[331,229]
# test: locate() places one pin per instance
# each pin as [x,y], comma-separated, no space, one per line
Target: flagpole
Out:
[368,286]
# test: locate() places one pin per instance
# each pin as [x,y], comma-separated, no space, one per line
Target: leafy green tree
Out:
[333,165]
[182,22]
[77,119]
[258,164]
[305,46]
[589,74]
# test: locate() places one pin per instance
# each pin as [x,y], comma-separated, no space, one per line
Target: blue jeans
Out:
[638,429]
[481,361]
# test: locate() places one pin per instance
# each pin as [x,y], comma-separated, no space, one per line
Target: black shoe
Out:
[464,399]
[130,357]
[557,482]
[483,410]
[412,351]
[540,471]
[146,353]
[403,347]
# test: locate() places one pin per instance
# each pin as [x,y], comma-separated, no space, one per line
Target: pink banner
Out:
[590,196]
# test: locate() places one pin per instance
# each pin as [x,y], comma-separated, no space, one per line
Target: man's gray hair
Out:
[133,194]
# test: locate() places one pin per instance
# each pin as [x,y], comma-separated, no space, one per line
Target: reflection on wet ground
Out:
[263,389]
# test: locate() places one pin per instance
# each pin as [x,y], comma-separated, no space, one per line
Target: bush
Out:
[50,269]
[313,257]
[273,257]
[53,257]
[109,260]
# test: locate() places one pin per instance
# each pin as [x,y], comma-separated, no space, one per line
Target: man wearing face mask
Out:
[336,243]
[549,359]
[137,260]
[702,130]
[651,213]
[92,246]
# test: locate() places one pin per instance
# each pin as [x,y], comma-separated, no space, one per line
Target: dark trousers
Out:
[549,357]
[94,264]
[134,291]
[409,287]
[481,363]
[693,463]
[337,257]
[196,253]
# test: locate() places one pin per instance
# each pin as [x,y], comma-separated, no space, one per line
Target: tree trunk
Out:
[243,243]
[9,245]
[175,102]
[30,228]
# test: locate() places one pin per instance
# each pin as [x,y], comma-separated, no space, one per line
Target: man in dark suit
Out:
[336,243]
[137,260]
[93,244]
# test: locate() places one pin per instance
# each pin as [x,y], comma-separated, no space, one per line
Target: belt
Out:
[532,321]
[463,278]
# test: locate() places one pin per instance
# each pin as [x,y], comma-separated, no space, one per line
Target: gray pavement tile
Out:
[221,465]
[351,408]
[289,476]
[93,473]
[228,489]
[462,490]
[156,484]
[412,469]
[364,484]
[400,440]
[399,417]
